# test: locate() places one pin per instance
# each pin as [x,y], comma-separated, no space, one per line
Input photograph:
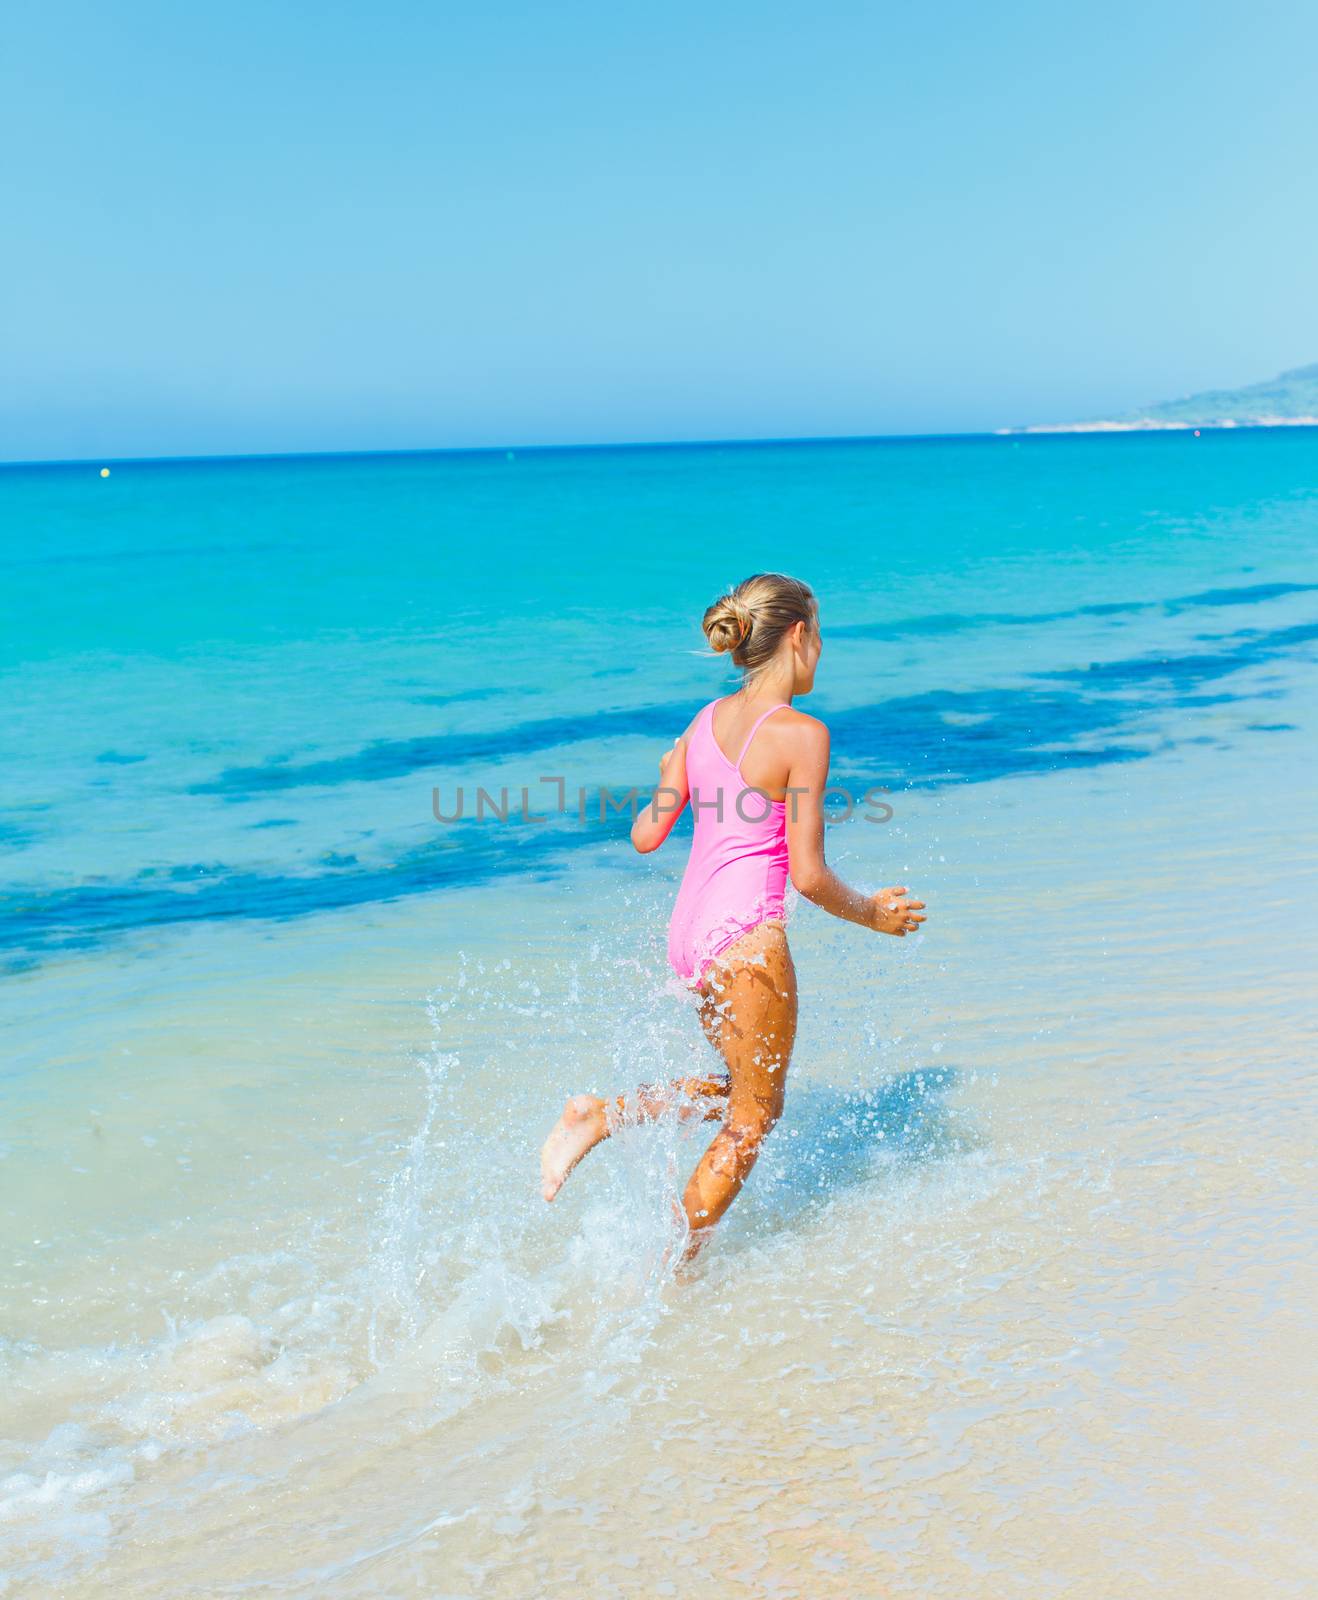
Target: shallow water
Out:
[1015,1302]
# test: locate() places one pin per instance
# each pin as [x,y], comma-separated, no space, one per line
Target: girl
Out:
[754,770]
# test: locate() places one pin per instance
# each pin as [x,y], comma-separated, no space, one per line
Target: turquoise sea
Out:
[1017,1301]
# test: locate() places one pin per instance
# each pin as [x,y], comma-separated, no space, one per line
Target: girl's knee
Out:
[737,1145]
[750,1128]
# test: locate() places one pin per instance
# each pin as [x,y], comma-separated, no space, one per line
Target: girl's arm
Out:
[654,822]
[888,911]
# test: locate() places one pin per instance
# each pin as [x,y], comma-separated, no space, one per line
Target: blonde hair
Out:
[751,619]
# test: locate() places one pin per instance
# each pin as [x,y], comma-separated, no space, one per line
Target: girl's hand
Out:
[892,911]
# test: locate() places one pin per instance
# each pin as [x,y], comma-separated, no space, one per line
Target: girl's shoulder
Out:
[799,721]
[797,730]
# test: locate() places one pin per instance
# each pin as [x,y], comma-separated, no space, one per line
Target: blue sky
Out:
[293,227]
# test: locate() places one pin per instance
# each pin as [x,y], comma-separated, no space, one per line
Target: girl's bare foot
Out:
[580,1128]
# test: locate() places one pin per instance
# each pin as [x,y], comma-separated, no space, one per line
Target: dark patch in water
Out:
[1288,638]
[1247,595]
[398,758]
[1189,670]
[831,1140]
[1176,670]
[456,698]
[81,917]
[14,837]
[115,759]
[956,622]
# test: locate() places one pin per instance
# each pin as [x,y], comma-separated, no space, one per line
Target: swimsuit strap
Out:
[754,730]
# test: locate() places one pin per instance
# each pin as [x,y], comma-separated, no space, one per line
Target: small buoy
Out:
[105,472]
[1196,433]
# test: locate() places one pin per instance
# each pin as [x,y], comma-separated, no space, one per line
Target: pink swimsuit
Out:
[737,872]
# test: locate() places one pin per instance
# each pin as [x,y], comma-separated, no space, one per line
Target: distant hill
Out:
[1287,401]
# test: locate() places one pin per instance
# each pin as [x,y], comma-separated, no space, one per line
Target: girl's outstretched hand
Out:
[893,911]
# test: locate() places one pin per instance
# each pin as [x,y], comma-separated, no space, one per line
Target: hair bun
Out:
[727,624]
[751,619]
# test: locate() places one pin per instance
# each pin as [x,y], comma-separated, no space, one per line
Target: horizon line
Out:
[1013,434]
[751,442]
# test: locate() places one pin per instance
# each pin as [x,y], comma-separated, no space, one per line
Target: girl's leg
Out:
[748,1012]
[751,1002]
[587,1119]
